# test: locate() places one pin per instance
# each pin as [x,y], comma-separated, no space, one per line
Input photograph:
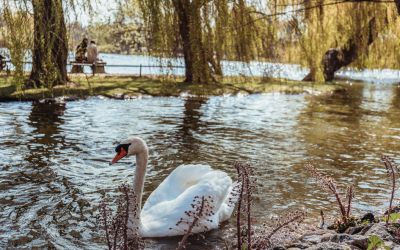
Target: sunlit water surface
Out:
[122,64]
[54,157]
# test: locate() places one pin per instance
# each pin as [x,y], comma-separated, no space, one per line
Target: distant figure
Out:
[81,51]
[2,63]
[92,52]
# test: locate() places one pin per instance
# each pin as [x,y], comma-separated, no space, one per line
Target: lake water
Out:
[54,157]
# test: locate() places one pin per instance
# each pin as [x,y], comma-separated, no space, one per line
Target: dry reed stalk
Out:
[322,219]
[349,195]
[391,168]
[331,187]
[286,228]
[117,226]
[103,220]
[202,210]
[245,189]
[239,207]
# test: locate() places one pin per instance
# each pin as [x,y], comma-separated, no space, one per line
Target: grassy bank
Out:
[112,85]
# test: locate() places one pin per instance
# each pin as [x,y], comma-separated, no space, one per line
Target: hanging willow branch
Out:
[41,30]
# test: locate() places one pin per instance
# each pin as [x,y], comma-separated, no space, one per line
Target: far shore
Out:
[124,86]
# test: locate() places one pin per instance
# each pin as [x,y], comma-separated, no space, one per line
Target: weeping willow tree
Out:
[322,35]
[328,35]
[122,34]
[207,32]
[50,51]
[18,40]
[43,21]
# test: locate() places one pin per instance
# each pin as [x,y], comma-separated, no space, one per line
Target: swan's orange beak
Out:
[118,156]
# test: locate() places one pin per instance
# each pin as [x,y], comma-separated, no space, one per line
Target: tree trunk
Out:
[397,2]
[50,52]
[334,59]
[183,11]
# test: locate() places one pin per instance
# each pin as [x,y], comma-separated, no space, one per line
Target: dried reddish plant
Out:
[332,188]
[396,232]
[284,229]
[104,221]
[116,226]
[391,168]
[322,219]
[202,210]
[349,195]
[244,190]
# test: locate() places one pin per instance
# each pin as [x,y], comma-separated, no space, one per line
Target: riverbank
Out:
[121,86]
[369,234]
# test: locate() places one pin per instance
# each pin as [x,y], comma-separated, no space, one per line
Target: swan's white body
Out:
[168,203]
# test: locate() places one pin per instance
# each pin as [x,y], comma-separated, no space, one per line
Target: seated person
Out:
[2,63]
[81,51]
[93,52]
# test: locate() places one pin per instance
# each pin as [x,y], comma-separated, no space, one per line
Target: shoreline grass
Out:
[83,85]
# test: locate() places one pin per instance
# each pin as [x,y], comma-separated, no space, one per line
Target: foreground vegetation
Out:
[368,232]
[118,86]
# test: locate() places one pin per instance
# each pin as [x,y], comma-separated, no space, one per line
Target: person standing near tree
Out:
[81,51]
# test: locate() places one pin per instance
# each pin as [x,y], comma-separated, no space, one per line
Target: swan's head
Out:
[128,147]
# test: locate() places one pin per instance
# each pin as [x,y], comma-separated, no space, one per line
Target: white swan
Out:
[168,203]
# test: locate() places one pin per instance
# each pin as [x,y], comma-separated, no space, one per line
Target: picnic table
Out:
[97,67]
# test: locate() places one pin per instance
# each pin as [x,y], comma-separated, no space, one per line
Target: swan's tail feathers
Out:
[229,203]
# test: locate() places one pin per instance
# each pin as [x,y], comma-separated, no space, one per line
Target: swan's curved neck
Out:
[140,174]
[138,183]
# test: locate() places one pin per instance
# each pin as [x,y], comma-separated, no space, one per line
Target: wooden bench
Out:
[97,67]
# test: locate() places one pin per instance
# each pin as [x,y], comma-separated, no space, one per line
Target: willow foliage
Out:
[18,39]
[207,32]
[122,34]
[364,29]
[37,29]
[289,31]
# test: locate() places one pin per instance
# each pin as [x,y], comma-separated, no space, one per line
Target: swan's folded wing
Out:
[176,183]
[157,219]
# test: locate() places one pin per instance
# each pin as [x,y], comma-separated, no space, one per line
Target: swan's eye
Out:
[118,149]
[125,147]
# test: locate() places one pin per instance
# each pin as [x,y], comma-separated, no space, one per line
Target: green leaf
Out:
[245,247]
[393,217]
[386,247]
[374,242]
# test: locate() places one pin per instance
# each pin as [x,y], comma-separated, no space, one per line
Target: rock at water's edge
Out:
[354,230]
[328,246]
[380,231]
[369,217]
[314,237]
[360,241]
[300,245]
[279,248]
